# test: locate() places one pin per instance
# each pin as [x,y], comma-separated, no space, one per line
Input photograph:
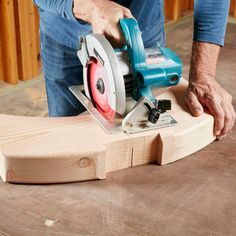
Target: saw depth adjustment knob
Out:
[161,107]
[164,105]
[154,115]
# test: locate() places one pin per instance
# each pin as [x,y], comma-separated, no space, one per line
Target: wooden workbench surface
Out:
[195,196]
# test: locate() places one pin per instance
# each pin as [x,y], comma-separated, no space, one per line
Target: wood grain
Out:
[53,150]
[1,68]
[234,9]
[191,5]
[173,9]
[19,36]
[27,42]
[8,42]
[37,38]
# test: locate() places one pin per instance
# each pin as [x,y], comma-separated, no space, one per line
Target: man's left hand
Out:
[206,92]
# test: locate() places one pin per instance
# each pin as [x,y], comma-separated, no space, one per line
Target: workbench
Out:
[195,196]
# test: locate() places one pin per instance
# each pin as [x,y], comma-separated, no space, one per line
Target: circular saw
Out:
[118,83]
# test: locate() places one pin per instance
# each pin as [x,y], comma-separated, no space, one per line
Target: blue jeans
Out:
[62,69]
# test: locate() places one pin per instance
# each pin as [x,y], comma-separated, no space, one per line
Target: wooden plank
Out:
[176,9]
[173,9]
[27,40]
[176,142]
[231,9]
[235,9]
[1,67]
[34,36]
[191,4]
[8,41]
[20,41]
[36,17]
[51,150]
[23,42]
[184,5]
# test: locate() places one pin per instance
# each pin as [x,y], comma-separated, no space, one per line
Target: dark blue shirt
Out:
[210,19]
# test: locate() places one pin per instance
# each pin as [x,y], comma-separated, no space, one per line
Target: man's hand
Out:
[104,17]
[204,91]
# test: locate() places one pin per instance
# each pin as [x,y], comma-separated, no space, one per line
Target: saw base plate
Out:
[110,126]
[164,121]
[134,122]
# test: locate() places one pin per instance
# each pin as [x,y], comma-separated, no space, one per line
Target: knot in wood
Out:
[84,162]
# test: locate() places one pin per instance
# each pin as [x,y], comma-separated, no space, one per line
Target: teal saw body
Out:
[165,71]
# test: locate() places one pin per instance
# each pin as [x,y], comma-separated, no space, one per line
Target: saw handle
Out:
[163,74]
[134,42]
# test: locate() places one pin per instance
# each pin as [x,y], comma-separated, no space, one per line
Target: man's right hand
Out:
[104,16]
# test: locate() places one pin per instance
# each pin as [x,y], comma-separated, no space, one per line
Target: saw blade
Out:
[103,78]
[99,89]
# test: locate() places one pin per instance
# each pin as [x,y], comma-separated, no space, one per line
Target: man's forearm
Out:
[204,59]
[205,92]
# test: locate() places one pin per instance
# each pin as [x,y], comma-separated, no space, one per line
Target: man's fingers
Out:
[115,37]
[113,31]
[193,104]
[127,13]
[106,18]
[229,112]
[228,120]
[217,111]
[233,115]
[212,96]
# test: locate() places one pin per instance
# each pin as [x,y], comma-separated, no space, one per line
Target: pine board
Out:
[59,150]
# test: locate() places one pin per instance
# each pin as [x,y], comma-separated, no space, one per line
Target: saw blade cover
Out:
[103,78]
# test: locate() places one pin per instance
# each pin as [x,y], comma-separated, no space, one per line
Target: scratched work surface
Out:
[195,196]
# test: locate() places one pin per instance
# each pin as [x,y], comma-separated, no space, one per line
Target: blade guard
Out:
[96,48]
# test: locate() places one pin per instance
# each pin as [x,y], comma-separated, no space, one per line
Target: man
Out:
[62,23]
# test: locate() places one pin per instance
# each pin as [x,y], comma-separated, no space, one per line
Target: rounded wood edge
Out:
[56,169]
[187,142]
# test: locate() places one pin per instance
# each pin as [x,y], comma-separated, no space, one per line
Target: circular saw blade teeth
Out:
[99,50]
[99,89]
